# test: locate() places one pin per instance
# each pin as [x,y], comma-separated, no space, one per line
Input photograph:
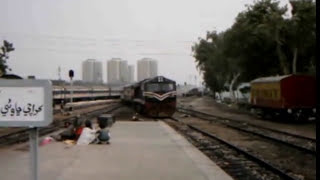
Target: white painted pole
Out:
[33,135]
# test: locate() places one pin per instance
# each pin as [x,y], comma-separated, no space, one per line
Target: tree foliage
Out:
[301,36]
[261,42]
[6,48]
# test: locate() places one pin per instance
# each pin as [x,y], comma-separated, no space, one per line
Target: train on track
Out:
[288,96]
[62,94]
[154,97]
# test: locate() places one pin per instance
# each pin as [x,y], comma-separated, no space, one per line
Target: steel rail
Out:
[301,148]
[224,118]
[247,154]
[51,128]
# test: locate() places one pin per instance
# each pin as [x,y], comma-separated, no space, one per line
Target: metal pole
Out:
[71,91]
[33,135]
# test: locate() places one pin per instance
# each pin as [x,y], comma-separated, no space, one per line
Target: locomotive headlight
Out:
[289,111]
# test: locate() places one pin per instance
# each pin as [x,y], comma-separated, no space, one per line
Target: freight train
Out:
[154,97]
[288,96]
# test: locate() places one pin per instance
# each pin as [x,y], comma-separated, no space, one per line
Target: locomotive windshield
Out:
[160,87]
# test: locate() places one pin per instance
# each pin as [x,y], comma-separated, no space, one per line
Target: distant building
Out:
[147,68]
[118,71]
[113,70]
[131,73]
[92,71]
[124,72]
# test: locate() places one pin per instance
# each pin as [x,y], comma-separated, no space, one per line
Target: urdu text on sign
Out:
[25,103]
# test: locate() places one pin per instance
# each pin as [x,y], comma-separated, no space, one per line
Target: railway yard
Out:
[202,140]
[143,90]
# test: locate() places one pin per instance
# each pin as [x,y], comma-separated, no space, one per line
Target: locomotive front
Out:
[160,97]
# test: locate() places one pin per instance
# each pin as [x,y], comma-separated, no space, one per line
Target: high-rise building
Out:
[113,68]
[147,68]
[124,72]
[153,64]
[92,71]
[118,71]
[131,73]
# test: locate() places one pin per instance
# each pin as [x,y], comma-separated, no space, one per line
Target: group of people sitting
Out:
[85,134]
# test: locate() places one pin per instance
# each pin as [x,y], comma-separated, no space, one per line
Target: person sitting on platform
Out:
[87,135]
[103,134]
[72,131]
[78,126]
[69,133]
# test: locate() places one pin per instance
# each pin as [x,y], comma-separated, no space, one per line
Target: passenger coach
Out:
[291,96]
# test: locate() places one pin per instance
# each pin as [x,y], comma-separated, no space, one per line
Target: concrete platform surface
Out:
[138,150]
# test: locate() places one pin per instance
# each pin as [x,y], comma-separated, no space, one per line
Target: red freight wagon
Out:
[288,94]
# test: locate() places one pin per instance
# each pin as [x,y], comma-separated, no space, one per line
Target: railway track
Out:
[286,159]
[22,135]
[302,143]
[237,162]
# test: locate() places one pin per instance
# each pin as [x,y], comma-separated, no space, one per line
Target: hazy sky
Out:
[50,33]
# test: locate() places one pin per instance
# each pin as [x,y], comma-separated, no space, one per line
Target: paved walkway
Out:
[138,150]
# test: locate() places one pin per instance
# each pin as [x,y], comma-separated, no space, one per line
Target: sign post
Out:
[26,103]
[33,136]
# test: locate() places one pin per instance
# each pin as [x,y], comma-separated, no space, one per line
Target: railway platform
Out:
[138,150]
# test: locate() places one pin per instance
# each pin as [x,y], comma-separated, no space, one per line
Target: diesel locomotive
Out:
[154,97]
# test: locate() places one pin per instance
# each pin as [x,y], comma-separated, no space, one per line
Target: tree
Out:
[6,48]
[261,42]
[265,18]
[210,61]
[301,34]
[294,38]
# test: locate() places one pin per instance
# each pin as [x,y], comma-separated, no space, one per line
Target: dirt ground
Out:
[208,105]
